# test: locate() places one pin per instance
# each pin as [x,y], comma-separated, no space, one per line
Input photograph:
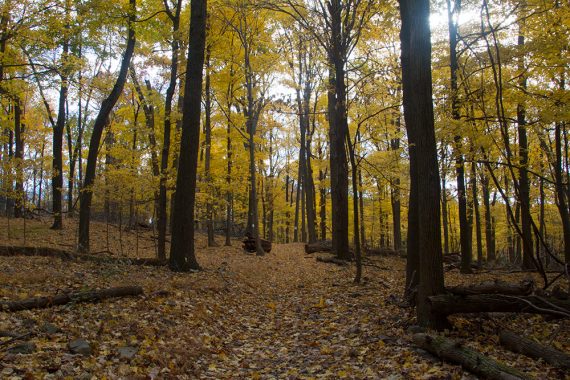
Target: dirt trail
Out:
[280,316]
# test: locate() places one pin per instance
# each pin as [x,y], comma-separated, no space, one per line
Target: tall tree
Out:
[182,255]
[100,122]
[424,256]
[174,16]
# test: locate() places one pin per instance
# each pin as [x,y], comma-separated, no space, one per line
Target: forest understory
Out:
[283,315]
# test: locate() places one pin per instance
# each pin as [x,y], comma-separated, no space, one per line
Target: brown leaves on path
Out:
[283,315]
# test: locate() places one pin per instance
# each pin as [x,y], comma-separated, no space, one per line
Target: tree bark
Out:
[464,227]
[162,215]
[182,255]
[489,228]
[77,297]
[478,234]
[338,129]
[471,360]
[494,287]
[98,126]
[424,206]
[208,153]
[446,304]
[444,213]
[395,193]
[524,185]
[57,176]
[19,157]
[525,346]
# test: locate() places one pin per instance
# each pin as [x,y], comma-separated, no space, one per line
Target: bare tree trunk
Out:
[100,122]
[208,156]
[524,186]
[560,192]
[395,193]
[542,229]
[297,205]
[477,214]
[424,206]
[162,215]
[19,157]
[489,228]
[182,255]
[57,166]
[323,204]
[444,211]
[338,129]
[354,176]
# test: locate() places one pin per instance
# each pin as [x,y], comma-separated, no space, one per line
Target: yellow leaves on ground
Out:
[244,317]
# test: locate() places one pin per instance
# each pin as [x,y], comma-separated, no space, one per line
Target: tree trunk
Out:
[464,228]
[444,214]
[354,176]
[560,192]
[297,205]
[77,297]
[19,157]
[162,215]
[424,211]
[57,166]
[323,204]
[494,287]
[182,255]
[478,233]
[447,304]
[524,186]
[395,195]
[98,126]
[338,129]
[208,155]
[525,346]
[471,360]
[489,228]
[542,229]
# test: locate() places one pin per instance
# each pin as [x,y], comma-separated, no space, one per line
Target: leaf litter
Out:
[281,316]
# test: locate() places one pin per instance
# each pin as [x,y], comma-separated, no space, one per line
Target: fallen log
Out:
[452,258]
[331,259]
[447,304]
[12,251]
[381,252]
[318,246]
[249,244]
[525,346]
[76,297]
[471,360]
[494,287]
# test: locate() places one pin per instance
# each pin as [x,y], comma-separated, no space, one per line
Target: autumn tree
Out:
[182,255]
[424,265]
[98,126]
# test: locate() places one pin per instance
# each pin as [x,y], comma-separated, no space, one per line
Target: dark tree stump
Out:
[249,245]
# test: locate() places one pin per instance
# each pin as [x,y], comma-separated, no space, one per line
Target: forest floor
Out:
[283,315]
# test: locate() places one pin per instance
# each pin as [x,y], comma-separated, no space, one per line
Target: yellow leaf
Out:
[321,304]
